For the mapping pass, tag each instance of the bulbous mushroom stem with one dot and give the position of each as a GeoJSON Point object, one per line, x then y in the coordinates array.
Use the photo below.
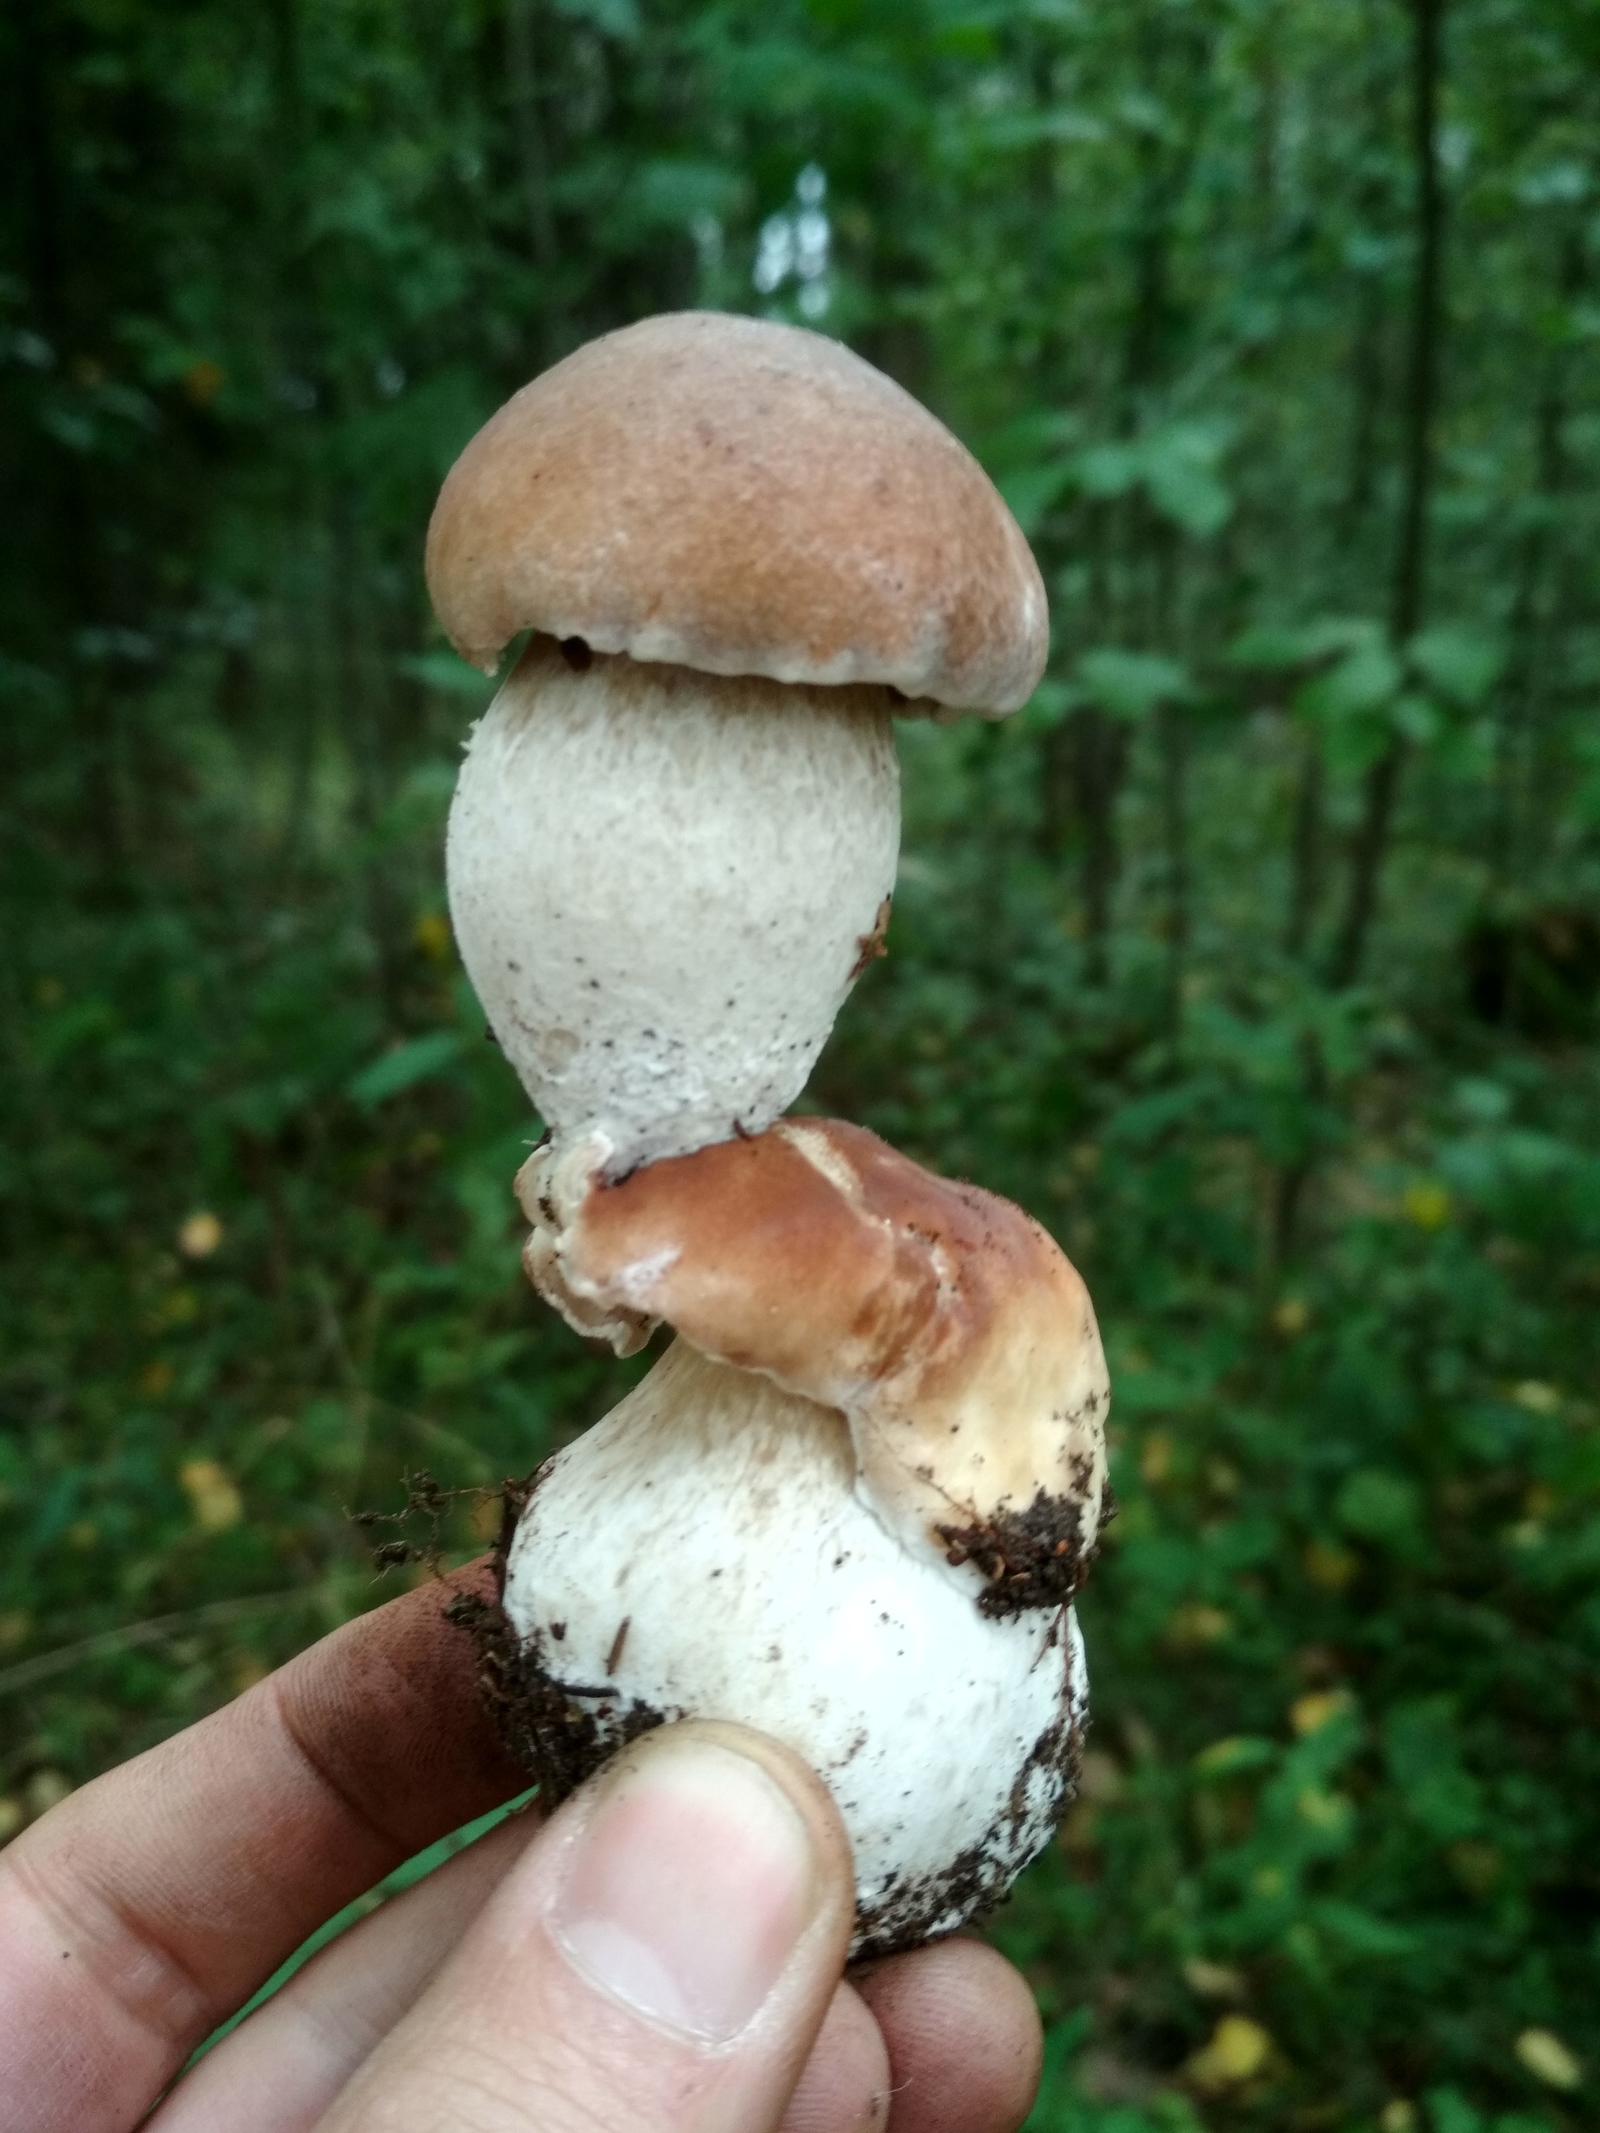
{"type": "Point", "coordinates": [664, 884]}
{"type": "Point", "coordinates": [710, 1547]}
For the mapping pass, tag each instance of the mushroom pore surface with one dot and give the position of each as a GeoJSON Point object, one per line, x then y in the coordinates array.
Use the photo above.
{"type": "Point", "coordinates": [664, 883]}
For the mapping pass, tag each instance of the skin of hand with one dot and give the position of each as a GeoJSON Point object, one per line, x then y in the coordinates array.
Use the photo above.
{"type": "Point", "coordinates": [665, 1950]}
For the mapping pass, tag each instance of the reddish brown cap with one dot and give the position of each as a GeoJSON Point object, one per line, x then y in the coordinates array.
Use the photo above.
{"type": "Point", "coordinates": [943, 1321]}
{"type": "Point", "coordinates": [740, 497]}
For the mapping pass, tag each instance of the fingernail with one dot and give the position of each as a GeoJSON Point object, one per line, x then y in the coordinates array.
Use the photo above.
{"type": "Point", "coordinates": [687, 1891]}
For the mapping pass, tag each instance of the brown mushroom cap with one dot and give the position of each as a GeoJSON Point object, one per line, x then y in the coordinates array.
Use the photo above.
{"type": "Point", "coordinates": [739, 497]}
{"type": "Point", "coordinates": [943, 1321]}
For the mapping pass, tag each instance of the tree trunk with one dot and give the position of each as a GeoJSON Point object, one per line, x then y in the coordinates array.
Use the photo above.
{"type": "Point", "coordinates": [1173, 740]}
{"type": "Point", "coordinates": [1530, 615]}
{"type": "Point", "coordinates": [528, 126]}
{"type": "Point", "coordinates": [1307, 850]}
{"type": "Point", "coordinates": [1370, 848]}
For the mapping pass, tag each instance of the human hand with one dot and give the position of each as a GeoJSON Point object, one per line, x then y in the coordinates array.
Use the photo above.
{"type": "Point", "coordinates": [666, 1951]}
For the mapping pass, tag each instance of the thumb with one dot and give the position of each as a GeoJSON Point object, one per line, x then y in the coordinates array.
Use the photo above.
{"type": "Point", "coordinates": [662, 1955]}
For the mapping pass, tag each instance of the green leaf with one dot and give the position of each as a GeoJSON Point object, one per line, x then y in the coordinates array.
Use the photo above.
{"type": "Point", "coordinates": [1109, 469]}
{"type": "Point", "coordinates": [1227, 1758]}
{"type": "Point", "coordinates": [1049, 704]}
{"type": "Point", "coordinates": [1424, 1758]}
{"type": "Point", "coordinates": [1032, 492]}
{"type": "Point", "coordinates": [1042, 433]}
{"type": "Point", "coordinates": [1192, 498]}
{"type": "Point", "coordinates": [1298, 644]}
{"type": "Point", "coordinates": [1462, 663]}
{"type": "Point", "coordinates": [1417, 718]}
{"type": "Point", "coordinates": [1450, 2112]}
{"type": "Point", "coordinates": [418, 1059]}
{"type": "Point", "coordinates": [1129, 685]}
{"type": "Point", "coordinates": [1378, 1506]}
{"type": "Point", "coordinates": [618, 18]}
{"type": "Point", "coordinates": [1362, 1932]}
{"type": "Point", "coordinates": [1271, 645]}
{"type": "Point", "coordinates": [669, 192]}
{"type": "Point", "coordinates": [444, 671]}
{"type": "Point", "coordinates": [1365, 680]}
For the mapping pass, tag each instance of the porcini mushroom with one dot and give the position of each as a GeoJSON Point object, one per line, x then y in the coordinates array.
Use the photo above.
{"type": "Point", "coordinates": [854, 1500]}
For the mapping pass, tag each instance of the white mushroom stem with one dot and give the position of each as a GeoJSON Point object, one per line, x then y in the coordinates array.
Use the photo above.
{"type": "Point", "coordinates": [708, 1547]}
{"type": "Point", "coordinates": [664, 884]}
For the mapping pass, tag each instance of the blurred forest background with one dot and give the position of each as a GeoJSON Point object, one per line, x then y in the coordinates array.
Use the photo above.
{"type": "Point", "coordinates": [1259, 956]}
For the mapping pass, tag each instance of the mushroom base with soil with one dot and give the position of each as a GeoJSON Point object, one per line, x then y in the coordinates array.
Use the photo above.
{"type": "Point", "coordinates": [708, 1549]}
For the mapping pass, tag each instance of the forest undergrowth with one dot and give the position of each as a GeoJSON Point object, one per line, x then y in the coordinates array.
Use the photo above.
{"type": "Point", "coordinates": [1259, 956]}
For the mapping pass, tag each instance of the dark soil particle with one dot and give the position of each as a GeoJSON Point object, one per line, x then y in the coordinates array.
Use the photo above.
{"type": "Point", "coordinates": [560, 1733]}
{"type": "Point", "coordinates": [1031, 1558]}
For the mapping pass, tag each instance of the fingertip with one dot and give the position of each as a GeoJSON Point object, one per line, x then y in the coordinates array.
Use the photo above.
{"type": "Point", "coordinates": [846, 2083]}
{"type": "Point", "coordinates": [664, 1952]}
{"type": "Point", "coordinates": [698, 1868]}
{"type": "Point", "coordinates": [963, 2035]}
{"type": "Point", "coordinates": [833, 1860]}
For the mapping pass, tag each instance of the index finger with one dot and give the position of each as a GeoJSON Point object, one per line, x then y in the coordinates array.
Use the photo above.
{"type": "Point", "coordinates": [149, 1905]}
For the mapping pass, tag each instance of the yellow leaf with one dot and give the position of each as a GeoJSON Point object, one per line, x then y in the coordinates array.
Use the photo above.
{"type": "Point", "coordinates": [432, 935]}
{"type": "Point", "coordinates": [46, 1789]}
{"type": "Point", "coordinates": [1292, 1316]}
{"type": "Point", "coordinates": [1309, 1714]}
{"type": "Point", "coordinates": [1548, 2059]}
{"type": "Point", "coordinates": [1237, 1751]}
{"type": "Point", "coordinates": [1425, 1203]}
{"type": "Point", "coordinates": [199, 1235]}
{"type": "Point", "coordinates": [1239, 2048]}
{"type": "Point", "coordinates": [1155, 1461]}
{"type": "Point", "coordinates": [1323, 1810]}
{"type": "Point", "coordinates": [486, 1518]}
{"type": "Point", "coordinates": [1196, 1625]}
{"type": "Point", "coordinates": [1537, 1397]}
{"type": "Point", "coordinates": [214, 1499]}
{"type": "Point", "coordinates": [1213, 1981]}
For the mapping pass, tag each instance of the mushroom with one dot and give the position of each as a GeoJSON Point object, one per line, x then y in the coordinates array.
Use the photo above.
{"type": "Point", "coordinates": [675, 833]}
{"type": "Point", "coordinates": [854, 1500]}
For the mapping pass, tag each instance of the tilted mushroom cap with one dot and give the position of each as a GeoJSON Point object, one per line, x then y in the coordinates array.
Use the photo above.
{"type": "Point", "coordinates": [946, 1325]}
{"type": "Point", "coordinates": [744, 498]}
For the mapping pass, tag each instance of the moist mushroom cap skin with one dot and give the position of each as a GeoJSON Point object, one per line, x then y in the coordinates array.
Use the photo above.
{"type": "Point", "coordinates": [740, 497]}
{"type": "Point", "coordinates": [941, 1321]}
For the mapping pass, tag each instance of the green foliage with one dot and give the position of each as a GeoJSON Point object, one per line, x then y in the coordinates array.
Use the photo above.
{"type": "Point", "coordinates": [1259, 956]}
